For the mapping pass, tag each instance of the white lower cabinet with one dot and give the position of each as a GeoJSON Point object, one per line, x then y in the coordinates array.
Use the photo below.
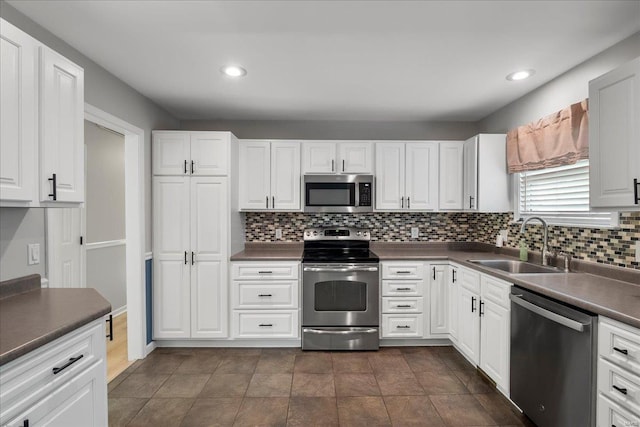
{"type": "Point", "coordinates": [265, 300]}
{"type": "Point", "coordinates": [469, 324]}
{"type": "Point", "coordinates": [32, 394]}
{"type": "Point", "coordinates": [403, 293]}
{"type": "Point", "coordinates": [402, 325]}
{"type": "Point", "coordinates": [439, 299]}
{"type": "Point", "coordinates": [453, 301]}
{"type": "Point", "coordinates": [618, 374]}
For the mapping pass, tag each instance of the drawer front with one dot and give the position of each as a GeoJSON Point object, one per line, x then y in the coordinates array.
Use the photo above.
{"type": "Point", "coordinates": [409, 270]}
{"type": "Point", "coordinates": [619, 385]}
{"type": "Point", "coordinates": [470, 279]}
{"type": "Point", "coordinates": [266, 324]}
{"type": "Point", "coordinates": [264, 271]}
{"type": "Point", "coordinates": [402, 288]}
{"type": "Point", "coordinates": [611, 414]}
{"type": "Point", "coordinates": [402, 305]}
{"type": "Point", "coordinates": [402, 325]}
{"type": "Point", "coordinates": [30, 378]}
{"type": "Point", "coordinates": [620, 344]}
{"type": "Point", "coordinates": [252, 295]}
{"type": "Point", "coordinates": [495, 290]}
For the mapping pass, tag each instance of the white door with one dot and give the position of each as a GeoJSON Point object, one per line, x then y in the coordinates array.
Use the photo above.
{"type": "Point", "coordinates": [209, 153]}
{"type": "Point", "coordinates": [171, 257]}
{"type": "Point", "coordinates": [208, 257]}
{"type": "Point", "coordinates": [255, 174]}
{"type": "Point", "coordinates": [355, 157]}
{"type": "Point", "coordinates": [421, 182]}
{"type": "Point", "coordinates": [469, 324]}
{"type": "Point", "coordinates": [614, 137]}
{"type": "Point", "coordinates": [64, 252]}
{"type": "Point", "coordinates": [62, 128]}
{"type": "Point", "coordinates": [285, 175]}
{"type": "Point", "coordinates": [439, 299]}
{"type": "Point", "coordinates": [470, 174]}
{"type": "Point", "coordinates": [390, 176]}
{"type": "Point", "coordinates": [18, 114]}
{"type": "Point", "coordinates": [453, 302]}
{"type": "Point", "coordinates": [494, 343]}
{"type": "Point", "coordinates": [171, 153]}
{"type": "Point", "coordinates": [451, 176]}
{"type": "Point", "coordinates": [319, 157]}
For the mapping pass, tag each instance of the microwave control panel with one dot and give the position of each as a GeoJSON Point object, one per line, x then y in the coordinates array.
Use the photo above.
{"type": "Point", "coordinates": [364, 189]}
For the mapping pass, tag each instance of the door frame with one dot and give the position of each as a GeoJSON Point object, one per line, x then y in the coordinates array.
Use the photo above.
{"type": "Point", "coordinates": [134, 226]}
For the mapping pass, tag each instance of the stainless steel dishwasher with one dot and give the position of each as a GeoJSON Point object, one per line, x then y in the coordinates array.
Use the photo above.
{"type": "Point", "coordinates": [553, 360]}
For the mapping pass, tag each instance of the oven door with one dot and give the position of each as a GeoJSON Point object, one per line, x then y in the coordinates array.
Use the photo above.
{"type": "Point", "coordinates": [340, 295]}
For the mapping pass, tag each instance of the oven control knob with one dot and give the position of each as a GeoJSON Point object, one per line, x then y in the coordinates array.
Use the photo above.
{"type": "Point", "coordinates": [359, 233]}
{"type": "Point", "coordinates": [315, 233]}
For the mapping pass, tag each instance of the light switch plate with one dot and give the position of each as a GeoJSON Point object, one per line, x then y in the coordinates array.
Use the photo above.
{"type": "Point", "coordinates": [415, 232]}
{"type": "Point", "coordinates": [278, 233]}
{"type": "Point", "coordinates": [33, 253]}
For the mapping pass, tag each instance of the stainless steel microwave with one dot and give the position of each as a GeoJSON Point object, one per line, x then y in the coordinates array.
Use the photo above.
{"type": "Point", "coordinates": [338, 193]}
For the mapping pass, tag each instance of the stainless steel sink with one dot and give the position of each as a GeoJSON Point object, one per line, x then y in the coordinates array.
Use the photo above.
{"type": "Point", "coordinates": [515, 267]}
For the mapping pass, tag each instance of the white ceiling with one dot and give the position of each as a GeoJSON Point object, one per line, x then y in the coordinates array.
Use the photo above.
{"type": "Point", "coordinates": [336, 60]}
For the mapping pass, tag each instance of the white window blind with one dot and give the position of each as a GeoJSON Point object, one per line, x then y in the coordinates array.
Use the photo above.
{"type": "Point", "coordinates": [561, 196]}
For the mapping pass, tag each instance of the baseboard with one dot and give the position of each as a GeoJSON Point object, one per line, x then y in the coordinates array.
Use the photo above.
{"type": "Point", "coordinates": [149, 348]}
{"type": "Point", "coordinates": [400, 342]}
{"type": "Point", "coordinates": [229, 343]}
{"type": "Point", "coordinates": [117, 312]}
{"type": "Point", "coordinates": [44, 282]}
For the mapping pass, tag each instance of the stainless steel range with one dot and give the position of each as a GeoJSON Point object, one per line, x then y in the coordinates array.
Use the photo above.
{"type": "Point", "coordinates": [340, 290]}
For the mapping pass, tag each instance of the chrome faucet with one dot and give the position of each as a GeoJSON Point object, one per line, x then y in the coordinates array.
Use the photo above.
{"type": "Point", "coordinates": [545, 237]}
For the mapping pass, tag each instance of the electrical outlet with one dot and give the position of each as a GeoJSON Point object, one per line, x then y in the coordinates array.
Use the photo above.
{"type": "Point", "coordinates": [278, 233]}
{"type": "Point", "coordinates": [638, 251]}
{"type": "Point", "coordinates": [33, 253]}
{"type": "Point", "coordinates": [415, 232]}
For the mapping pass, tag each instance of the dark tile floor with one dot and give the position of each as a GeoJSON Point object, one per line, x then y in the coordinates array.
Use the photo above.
{"type": "Point", "coordinates": [426, 386]}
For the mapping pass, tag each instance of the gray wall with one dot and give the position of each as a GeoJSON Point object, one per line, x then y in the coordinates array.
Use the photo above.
{"type": "Point", "coordinates": [18, 228]}
{"type": "Point", "coordinates": [106, 272]}
{"type": "Point", "coordinates": [102, 90]}
{"type": "Point", "coordinates": [564, 90]}
{"type": "Point", "coordinates": [318, 129]}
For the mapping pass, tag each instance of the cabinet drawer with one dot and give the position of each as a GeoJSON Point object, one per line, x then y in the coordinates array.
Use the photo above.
{"type": "Point", "coordinates": [469, 279]}
{"type": "Point", "coordinates": [620, 344]}
{"type": "Point", "coordinates": [30, 377]}
{"type": "Point", "coordinates": [619, 385]}
{"type": "Point", "coordinates": [409, 270]}
{"type": "Point", "coordinates": [252, 295]}
{"type": "Point", "coordinates": [402, 287]}
{"type": "Point", "coordinates": [611, 414]}
{"type": "Point", "coordinates": [495, 290]}
{"type": "Point", "coordinates": [267, 324]}
{"type": "Point", "coordinates": [264, 271]}
{"type": "Point", "coordinates": [402, 325]}
{"type": "Point", "coordinates": [402, 305]}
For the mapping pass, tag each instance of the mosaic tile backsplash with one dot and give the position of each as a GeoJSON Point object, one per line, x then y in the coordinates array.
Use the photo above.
{"type": "Point", "coordinates": [615, 247]}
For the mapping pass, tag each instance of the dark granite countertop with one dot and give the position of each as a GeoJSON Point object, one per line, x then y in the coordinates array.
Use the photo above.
{"type": "Point", "coordinates": [604, 290]}
{"type": "Point", "coordinates": [31, 317]}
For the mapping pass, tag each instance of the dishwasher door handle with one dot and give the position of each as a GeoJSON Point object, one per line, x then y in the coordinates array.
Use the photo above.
{"type": "Point", "coordinates": [554, 317]}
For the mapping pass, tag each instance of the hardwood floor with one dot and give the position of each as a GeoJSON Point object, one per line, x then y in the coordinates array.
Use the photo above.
{"type": "Point", "coordinates": [117, 349]}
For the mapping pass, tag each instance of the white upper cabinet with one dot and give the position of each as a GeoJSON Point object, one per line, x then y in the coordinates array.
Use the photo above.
{"type": "Point", "coordinates": [41, 124]}
{"type": "Point", "coordinates": [18, 126]}
{"type": "Point", "coordinates": [269, 175]}
{"type": "Point", "coordinates": [614, 138]}
{"type": "Point", "coordinates": [406, 176]}
{"type": "Point", "coordinates": [326, 157]}
{"type": "Point", "coordinates": [451, 175]}
{"type": "Point", "coordinates": [486, 185]}
{"type": "Point", "coordinates": [191, 153]}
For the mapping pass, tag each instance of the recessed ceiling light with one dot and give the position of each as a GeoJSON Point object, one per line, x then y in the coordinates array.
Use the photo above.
{"type": "Point", "coordinates": [521, 75]}
{"type": "Point", "coordinates": [233, 71]}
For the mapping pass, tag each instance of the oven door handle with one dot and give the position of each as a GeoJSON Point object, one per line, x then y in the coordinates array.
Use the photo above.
{"type": "Point", "coordinates": [339, 269]}
{"type": "Point", "coordinates": [340, 331]}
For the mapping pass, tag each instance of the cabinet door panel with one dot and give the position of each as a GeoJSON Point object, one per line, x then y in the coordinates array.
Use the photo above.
{"type": "Point", "coordinates": [469, 324]}
{"type": "Point", "coordinates": [18, 114]}
{"type": "Point", "coordinates": [209, 153]}
{"type": "Point", "coordinates": [494, 339]}
{"type": "Point", "coordinates": [421, 176]}
{"type": "Point", "coordinates": [285, 175]}
{"type": "Point", "coordinates": [389, 176]}
{"type": "Point", "coordinates": [255, 175]}
{"type": "Point", "coordinates": [62, 127]}
{"type": "Point", "coordinates": [319, 157]}
{"type": "Point", "coordinates": [453, 302]}
{"type": "Point", "coordinates": [451, 176]}
{"type": "Point", "coordinates": [614, 136]}
{"type": "Point", "coordinates": [171, 153]}
{"type": "Point", "coordinates": [439, 299]}
{"type": "Point", "coordinates": [355, 157]}
{"type": "Point", "coordinates": [470, 174]}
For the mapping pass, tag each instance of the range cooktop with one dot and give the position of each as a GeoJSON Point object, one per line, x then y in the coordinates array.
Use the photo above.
{"type": "Point", "coordinates": [337, 245]}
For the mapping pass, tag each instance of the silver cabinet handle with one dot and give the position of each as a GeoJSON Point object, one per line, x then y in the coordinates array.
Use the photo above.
{"type": "Point", "coordinates": [554, 317]}
{"type": "Point", "coordinates": [347, 331]}
{"type": "Point", "coordinates": [339, 269]}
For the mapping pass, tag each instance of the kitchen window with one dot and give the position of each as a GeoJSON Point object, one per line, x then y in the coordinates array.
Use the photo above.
{"type": "Point", "coordinates": [561, 196]}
